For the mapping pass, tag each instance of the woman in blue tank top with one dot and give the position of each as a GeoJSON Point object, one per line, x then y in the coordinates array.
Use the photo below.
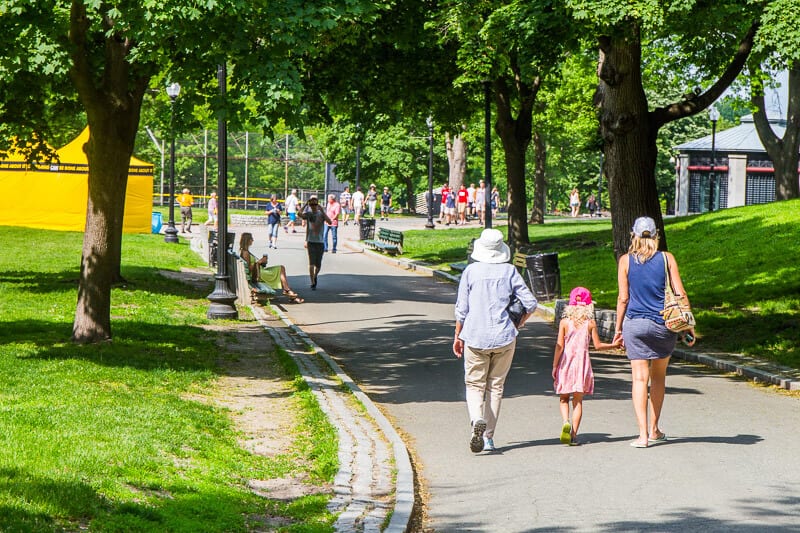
{"type": "Point", "coordinates": [648, 342]}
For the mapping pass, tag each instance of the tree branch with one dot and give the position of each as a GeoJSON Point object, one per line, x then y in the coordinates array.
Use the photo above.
{"type": "Point", "coordinates": [81, 71]}
{"type": "Point", "coordinates": [772, 143]}
{"type": "Point", "coordinates": [696, 103]}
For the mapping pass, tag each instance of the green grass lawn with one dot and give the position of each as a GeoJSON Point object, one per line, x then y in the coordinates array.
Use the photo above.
{"type": "Point", "coordinates": [107, 437]}
{"type": "Point", "coordinates": [739, 266]}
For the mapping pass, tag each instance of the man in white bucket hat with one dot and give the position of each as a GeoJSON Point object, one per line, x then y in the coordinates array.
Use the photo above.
{"type": "Point", "coordinates": [485, 336]}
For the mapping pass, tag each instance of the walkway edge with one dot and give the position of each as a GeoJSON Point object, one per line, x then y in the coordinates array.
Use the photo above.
{"type": "Point", "coordinates": [404, 484]}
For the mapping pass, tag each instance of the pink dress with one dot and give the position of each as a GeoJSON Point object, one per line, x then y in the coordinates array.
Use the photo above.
{"type": "Point", "coordinates": [574, 373]}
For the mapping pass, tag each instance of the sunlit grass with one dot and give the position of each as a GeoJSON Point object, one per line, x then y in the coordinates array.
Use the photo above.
{"type": "Point", "coordinates": [106, 437]}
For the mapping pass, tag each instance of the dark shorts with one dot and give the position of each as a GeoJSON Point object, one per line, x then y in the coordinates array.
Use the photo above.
{"type": "Point", "coordinates": [647, 339]}
{"type": "Point", "coordinates": [315, 252]}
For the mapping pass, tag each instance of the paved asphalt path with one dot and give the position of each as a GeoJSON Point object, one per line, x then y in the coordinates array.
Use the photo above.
{"type": "Point", "coordinates": [732, 462]}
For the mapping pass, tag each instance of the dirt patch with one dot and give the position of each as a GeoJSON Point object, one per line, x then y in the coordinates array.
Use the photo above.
{"type": "Point", "coordinates": [256, 392]}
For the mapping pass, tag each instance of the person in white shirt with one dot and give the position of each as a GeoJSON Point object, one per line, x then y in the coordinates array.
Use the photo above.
{"type": "Point", "coordinates": [358, 204]}
{"type": "Point", "coordinates": [291, 210]}
{"type": "Point", "coordinates": [471, 201]}
{"type": "Point", "coordinates": [480, 201]}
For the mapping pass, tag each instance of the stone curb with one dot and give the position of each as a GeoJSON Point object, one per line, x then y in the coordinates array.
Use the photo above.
{"type": "Point", "coordinates": [404, 484]}
{"type": "Point", "coordinates": [756, 374]}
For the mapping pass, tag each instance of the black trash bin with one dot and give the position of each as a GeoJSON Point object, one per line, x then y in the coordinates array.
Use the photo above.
{"type": "Point", "coordinates": [544, 276]}
{"type": "Point", "coordinates": [367, 229]}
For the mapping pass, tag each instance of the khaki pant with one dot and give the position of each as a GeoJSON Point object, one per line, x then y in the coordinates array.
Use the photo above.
{"type": "Point", "coordinates": [485, 374]}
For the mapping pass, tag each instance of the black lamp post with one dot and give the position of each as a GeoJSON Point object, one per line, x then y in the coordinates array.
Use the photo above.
{"type": "Point", "coordinates": [713, 114]}
{"type": "Point", "coordinates": [429, 122]}
{"type": "Point", "coordinates": [171, 232]}
{"type": "Point", "coordinates": [222, 299]}
{"type": "Point", "coordinates": [487, 137]}
{"type": "Point", "coordinates": [358, 155]}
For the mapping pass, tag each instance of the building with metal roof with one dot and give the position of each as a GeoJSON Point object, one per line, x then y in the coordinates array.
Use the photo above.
{"type": "Point", "coordinates": [741, 172]}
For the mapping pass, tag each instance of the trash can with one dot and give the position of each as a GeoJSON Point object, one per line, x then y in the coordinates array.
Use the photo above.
{"type": "Point", "coordinates": [156, 222]}
{"type": "Point", "coordinates": [367, 229]}
{"type": "Point", "coordinates": [544, 275]}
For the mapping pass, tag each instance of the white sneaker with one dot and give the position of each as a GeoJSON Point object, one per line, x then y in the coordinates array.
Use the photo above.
{"type": "Point", "coordinates": [488, 445]}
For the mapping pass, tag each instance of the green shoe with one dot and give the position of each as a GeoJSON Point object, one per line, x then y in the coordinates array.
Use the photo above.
{"type": "Point", "coordinates": [566, 432]}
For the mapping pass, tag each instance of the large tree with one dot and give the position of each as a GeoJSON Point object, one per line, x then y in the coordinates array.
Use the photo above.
{"type": "Point", "coordinates": [714, 38]}
{"type": "Point", "coordinates": [514, 46]}
{"type": "Point", "coordinates": [107, 55]}
{"type": "Point", "coordinates": [784, 150]}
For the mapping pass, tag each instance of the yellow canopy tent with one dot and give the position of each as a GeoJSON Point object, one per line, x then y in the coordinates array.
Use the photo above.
{"type": "Point", "coordinates": [56, 197]}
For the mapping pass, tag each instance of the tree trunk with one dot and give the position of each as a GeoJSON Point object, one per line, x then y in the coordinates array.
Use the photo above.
{"type": "Point", "coordinates": [457, 160]}
{"type": "Point", "coordinates": [109, 160]}
{"type": "Point", "coordinates": [412, 198]}
{"type": "Point", "coordinates": [539, 182]}
{"type": "Point", "coordinates": [784, 152]}
{"type": "Point", "coordinates": [629, 138]}
{"type": "Point", "coordinates": [516, 134]}
{"type": "Point", "coordinates": [112, 100]}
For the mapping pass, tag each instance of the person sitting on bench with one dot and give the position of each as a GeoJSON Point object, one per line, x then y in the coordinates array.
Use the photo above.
{"type": "Point", "coordinates": [273, 276]}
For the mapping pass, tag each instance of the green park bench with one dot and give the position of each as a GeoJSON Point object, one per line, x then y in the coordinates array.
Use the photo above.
{"type": "Point", "coordinates": [389, 240]}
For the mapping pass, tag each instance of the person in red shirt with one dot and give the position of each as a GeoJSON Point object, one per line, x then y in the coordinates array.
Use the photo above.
{"type": "Point", "coordinates": [443, 208]}
{"type": "Point", "coordinates": [463, 198]}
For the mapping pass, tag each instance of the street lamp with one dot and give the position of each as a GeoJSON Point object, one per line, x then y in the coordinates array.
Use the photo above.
{"type": "Point", "coordinates": [713, 114]}
{"type": "Point", "coordinates": [171, 233]}
{"type": "Point", "coordinates": [429, 122]}
{"type": "Point", "coordinates": [222, 299]}
{"type": "Point", "coordinates": [487, 139]}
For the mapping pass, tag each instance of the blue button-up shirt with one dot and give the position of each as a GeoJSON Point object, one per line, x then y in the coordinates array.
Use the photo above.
{"type": "Point", "coordinates": [483, 295]}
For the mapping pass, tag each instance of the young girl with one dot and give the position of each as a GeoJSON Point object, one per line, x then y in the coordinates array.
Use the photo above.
{"type": "Point", "coordinates": [572, 368]}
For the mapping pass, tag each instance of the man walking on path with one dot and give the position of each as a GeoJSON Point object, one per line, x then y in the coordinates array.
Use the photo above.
{"type": "Point", "coordinates": [315, 217]}
{"type": "Point", "coordinates": [185, 200]}
{"type": "Point", "coordinates": [332, 209]}
{"type": "Point", "coordinates": [485, 336]}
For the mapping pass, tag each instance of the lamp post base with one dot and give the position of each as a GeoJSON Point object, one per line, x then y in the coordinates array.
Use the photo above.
{"type": "Point", "coordinates": [171, 233]}
{"type": "Point", "coordinates": [430, 224]}
{"type": "Point", "coordinates": [222, 301]}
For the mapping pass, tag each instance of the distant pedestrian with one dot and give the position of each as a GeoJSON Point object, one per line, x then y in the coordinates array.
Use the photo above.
{"type": "Point", "coordinates": [574, 202]}
{"type": "Point", "coordinates": [480, 201]}
{"type": "Point", "coordinates": [332, 209]}
{"type": "Point", "coordinates": [372, 200]}
{"type": "Point", "coordinates": [485, 336]}
{"type": "Point", "coordinates": [443, 207]}
{"type": "Point", "coordinates": [347, 206]}
{"type": "Point", "coordinates": [572, 367]}
{"type": "Point", "coordinates": [386, 203]}
{"type": "Point", "coordinates": [649, 344]}
{"type": "Point", "coordinates": [291, 210]}
{"type": "Point", "coordinates": [358, 205]}
{"type": "Point", "coordinates": [273, 220]}
{"type": "Point", "coordinates": [450, 208]}
{"type": "Point", "coordinates": [591, 205]}
{"type": "Point", "coordinates": [212, 210]}
{"type": "Point", "coordinates": [462, 198]}
{"type": "Point", "coordinates": [471, 201]}
{"type": "Point", "coordinates": [315, 218]}
{"type": "Point", "coordinates": [495, 201]}
{"type": "Point", "coordinates": [185, 201]}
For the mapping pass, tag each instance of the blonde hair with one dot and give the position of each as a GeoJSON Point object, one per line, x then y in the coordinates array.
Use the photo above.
{"type": "Point", "coordinates": [579, 313]}
{"type": "Point", "coordinates": [643, 248]}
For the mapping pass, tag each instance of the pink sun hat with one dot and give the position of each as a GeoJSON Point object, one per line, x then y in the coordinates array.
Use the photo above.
{"type": "Point", "coordinates": [580, 296]}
